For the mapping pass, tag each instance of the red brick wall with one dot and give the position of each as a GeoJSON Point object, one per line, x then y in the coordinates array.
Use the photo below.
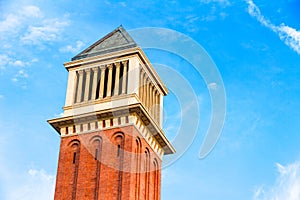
{"type": "Point", "coordinates": [107, 165]}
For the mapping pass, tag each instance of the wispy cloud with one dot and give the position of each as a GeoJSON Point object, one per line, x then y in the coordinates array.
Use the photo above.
{"type": "Point", "coordinates": [58, 115]}
{"type": "Point", "coordinates": [4, 59]}
{"type": "Point", "coordinates": [289, 35]}
{"type": "Point", "coordinates": [21, 74]}
{"type": "Point", "coordinates": [48, 30]}
{"type": "Point", "coordinates": [216, 11]}
{"type": "Point", "coordinates": [9, 61]}
{"type": "Point", "coordinates": [23, 26]}
{"type": "Point", "coordinates": [37, 184]}
{"type": "Point", "coordinates": [221, 2]}
{"type": "Point", "coordinates": [287, 185]}
{"type": "Point", "coordinates": [123, 4]}
{"type": "Point", "coordinates": [29, 25]}
{"type": "Point", "coordinates": [213, 86]}
{"type": "Point", "coordinates": [13, 22]}
{"type": "Point", "coordinates": [72, 49]}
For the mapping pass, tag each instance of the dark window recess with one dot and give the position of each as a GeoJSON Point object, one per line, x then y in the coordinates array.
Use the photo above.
{"type": "Point", "coordinates": [97, 90]}
{"type": "Point", "coordinates": [121, 79]}
{"type": "Point", "coordinates": [74, 157]}
{"type": "Point", "coordinates": [96, 154]}
{"type": "Point", "coordinates": [113, 81]}
{"type": "Point", "coordinates": [105, 83]}
{"type": "Point", "coordinates": [119, 149]}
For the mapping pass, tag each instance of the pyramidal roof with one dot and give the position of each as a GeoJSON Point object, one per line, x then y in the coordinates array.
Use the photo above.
{"type": "Point", "coordinates": [116, 40]}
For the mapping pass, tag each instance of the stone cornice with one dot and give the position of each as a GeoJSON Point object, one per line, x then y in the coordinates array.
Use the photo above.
{"type": "Point", "coordinates": [136, 110]}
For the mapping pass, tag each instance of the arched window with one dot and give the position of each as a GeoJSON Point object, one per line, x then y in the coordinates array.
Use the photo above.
{"type": "Point", "coordinates": [156, 179]}
{"type": "Point", "coordinates": [138, 167]}
{"type": "Point", "coordinates": [96, 151]}
{"type": "Point", "coordinates": [147, 173]}
{"type": "Point", "coordinates": [75, 153]}
{"type": "Point", "coordinates": [118, 140]}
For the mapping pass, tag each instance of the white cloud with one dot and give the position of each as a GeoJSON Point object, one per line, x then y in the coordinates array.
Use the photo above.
{"type": "Point", "coordinates": [192, 18]}
{"type": "Point", "coordinates": [290, 36]}
{"type": "Point", "coordinates": [215, 12]}
{"type": "Point", "coordinates": [9, 23]}
{"type": "Point", "coordinates": [37, 185]}
{"type": "Point", "coordinates": [213, 86]}
{"type": "Point", "coordinates": [14, 21]}
{"type": "Point", "coordinates": [22, 26]}
{"type": "Point", "coordinates": [18, 63]}
{"type": "Point", "coordinates": [9, 61]}
{"type": "Point", "coordinates": [31, 11]}
{"type": "Point", "coordinates": [4, 59]}
{"type": "Point", "coordinates": [221, 2]}
{"type": "Point", "coordinates": [29, 25]}
{"type": "Point", "coordinates": [59, 115]}
{"type": "Point", "coordinates": [26, 25]}
{"type": "Point", "coordinates": [287, 185]}
{"type": "Point", "coordinates": [71, 49]}
{"type": "Point", "coordinates": [21, 74]}
{"type": "Point", "coordinates": [123, 4]}
{"type": "Point", "coordinates": [49, 30]}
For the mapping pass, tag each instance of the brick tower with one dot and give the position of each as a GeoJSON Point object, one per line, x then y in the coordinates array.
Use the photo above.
{"type": "Point", "coordinates": [111, 138]}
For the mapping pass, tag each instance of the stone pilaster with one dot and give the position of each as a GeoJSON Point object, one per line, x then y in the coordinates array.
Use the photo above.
{"type": "Point", "coordinates": [87, 84]}
{"type": "Point", "coordinates": [80, 86]}
{"type": "Point", "coordinates": [117, 79]}
{"type": "Point", "coordinates": [109, 82]}
{"type": "Point", "coordinates": [124, 81]}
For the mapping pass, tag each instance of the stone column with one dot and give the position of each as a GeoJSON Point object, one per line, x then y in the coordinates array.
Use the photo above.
{"type": "Point", "coordinates": [147, 93]}
{"type": "Point", "coordinates": [80, 86]}
{"type": "Point", "coordinates": [144, 89]}
{"type": "Point", "coordinates": [95, 83]}
{"type": "Point", "coordinates": [101, 88]}
{"type": "Point", "coordinates": [117, 79]}
{"type": "Point", "coordinates": [87, 84]}
{"type": "Point", "coordinates": [156, 106]}
{"type": "Point", "coordinates": [153, 102]}
{"type": "Point", "coordinates": [150, 97]}
{"type": "Point", "coordinates": [159, 112]}
{"type": "Point", "coordinates": [140, 84]}
{"type": "Point", "coordinates": [124, 81]}
{"type": "Point", "coordinates": [109, 82]}
{"type": "Point", "coordinates": [72, 90]}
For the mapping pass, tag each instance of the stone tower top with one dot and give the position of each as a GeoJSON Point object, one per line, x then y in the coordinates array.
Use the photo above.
{"type": "Point", "coordinates": [109, 80]}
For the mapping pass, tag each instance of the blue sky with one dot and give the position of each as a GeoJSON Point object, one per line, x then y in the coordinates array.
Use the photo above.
{"type": "Point", "coordinates": [255, 45]}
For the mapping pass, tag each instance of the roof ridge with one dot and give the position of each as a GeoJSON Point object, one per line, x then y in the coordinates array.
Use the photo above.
{"type": "Point", "coordinates": [116, 40]}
